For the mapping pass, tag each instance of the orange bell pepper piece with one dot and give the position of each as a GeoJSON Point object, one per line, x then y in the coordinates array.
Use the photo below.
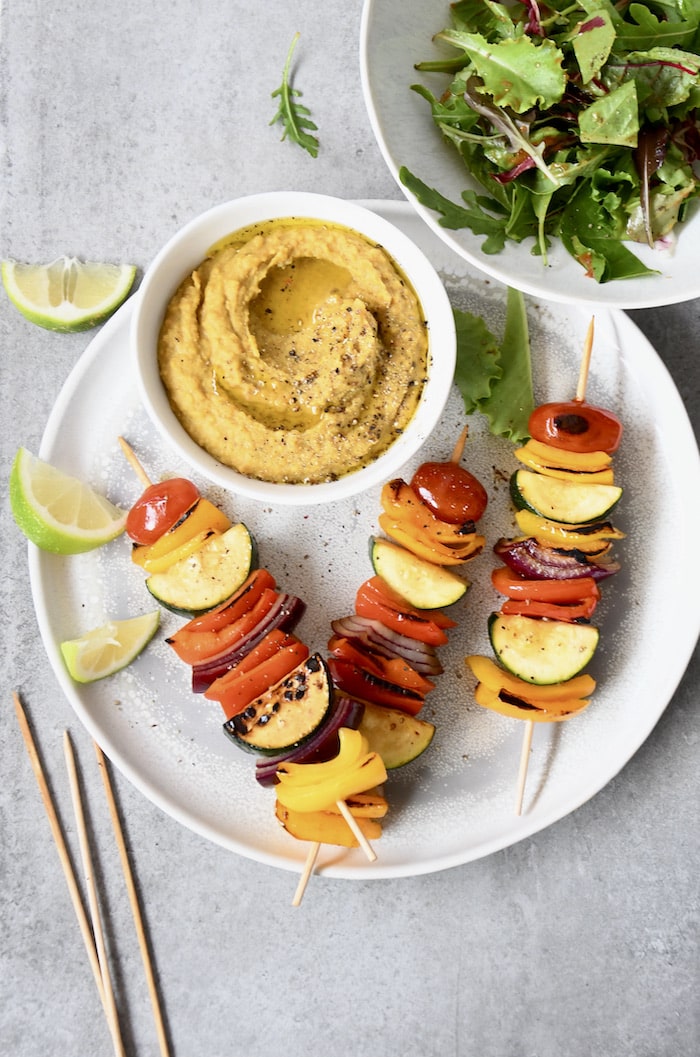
{"type": "Point", "coordinates": [182, 539]}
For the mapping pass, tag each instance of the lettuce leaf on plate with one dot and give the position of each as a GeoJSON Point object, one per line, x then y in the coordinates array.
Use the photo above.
{"type": "Point", "coordinates": [495, 379]}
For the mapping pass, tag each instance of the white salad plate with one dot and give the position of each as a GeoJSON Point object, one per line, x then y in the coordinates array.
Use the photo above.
{"type": "Point", "coordinates": [394, 37]}
{"type": "Point", "coordinates": [456, 802]}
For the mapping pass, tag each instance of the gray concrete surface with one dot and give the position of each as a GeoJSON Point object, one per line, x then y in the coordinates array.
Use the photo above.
{"type": "Point", "coordinates": [120, 122]}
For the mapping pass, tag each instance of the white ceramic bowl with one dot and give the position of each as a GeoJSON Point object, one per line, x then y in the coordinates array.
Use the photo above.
{"type": "Point", "coordinates": [185, 251]}
{"type": "Point", "coordinates": [395, 36]}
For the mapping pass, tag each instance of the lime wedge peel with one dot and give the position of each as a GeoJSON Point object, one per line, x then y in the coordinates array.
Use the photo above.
{"type": "Point", "coordinates": [67, 294]}
{"type": "Point", "coordinates": [57, 512]}
{"type": "Point", "coordinates": [109, 648]}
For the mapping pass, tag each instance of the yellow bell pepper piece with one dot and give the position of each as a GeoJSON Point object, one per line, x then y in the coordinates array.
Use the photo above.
{"type": "Point", "coordinates": [496, 678]}
{"type": "Point", "coordinates": [423, 546]}
{"type": "Point", "coordinates": [556, 533]}
{"type": "Point", "coordinates": [568, 460]}
{"type": "Point", "coordinates": [326, 827]}
{"type": "Point", "coordinates": [183, 539]}
{"type": "Point", "coordinates": [317, 786]}
{"type": "Point", "coordinates": [595, 467]}
{"type": "Point", "coordinates": [553, 712]}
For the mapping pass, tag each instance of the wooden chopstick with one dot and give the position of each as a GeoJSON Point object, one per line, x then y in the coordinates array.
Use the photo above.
{"type": "Point", "coordinates": [60, 843]}
{"type": "Point", "coordinates": [89, 873]}
{"type": "Point", "coordinates": [134, 902]}
{"type": "Point", "coordinates": [91, 932]}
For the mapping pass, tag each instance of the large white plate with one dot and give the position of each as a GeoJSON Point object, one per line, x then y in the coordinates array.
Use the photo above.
{"type": "Point", "coordinates": [456, 803]}
{"type": "Point", "coordinates": [395, 36]}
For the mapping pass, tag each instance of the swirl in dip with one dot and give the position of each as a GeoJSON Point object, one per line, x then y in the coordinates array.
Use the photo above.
{"type": "Point", "coordinates": [296, 352]}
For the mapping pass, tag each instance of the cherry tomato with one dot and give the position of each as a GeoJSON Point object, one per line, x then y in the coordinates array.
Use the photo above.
{"type": "Point", "coordinates": [451, 492]}
{"type": "Point", "coordinates": [160, 507]}
{"type": "Point", "coordinates": [576, 426]}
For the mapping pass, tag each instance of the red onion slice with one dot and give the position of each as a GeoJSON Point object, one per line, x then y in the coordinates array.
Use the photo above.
{"type": "Point", "coordinates": [530, 558]}
{"type": "Point", "coordinates": [375, 635]}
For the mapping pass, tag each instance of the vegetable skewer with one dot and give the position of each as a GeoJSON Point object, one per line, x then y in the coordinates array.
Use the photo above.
{"type": "Point", "coordinates": [226, 688]}
{"type": "Point", "coordinates": [529, 724]}
{"type": "Point", "coordinates": [381, 659]}
{"type": "Point", "coordinates": [542, 636]}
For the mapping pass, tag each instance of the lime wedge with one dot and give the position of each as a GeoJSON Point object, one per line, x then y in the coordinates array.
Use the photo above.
{"type": "Point", "coordinates": [67, 294]}
{"type": "Point", "coordinates": [59, 513]}
{"type": "Point", "coordinates": [107, 649]}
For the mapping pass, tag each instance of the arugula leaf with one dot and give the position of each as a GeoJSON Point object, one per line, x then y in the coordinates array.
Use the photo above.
{"type": "Point", "coordinates": [294, 116]}
{"type": "Point", "coordinates": [650, 31]}
{"type": "Point", "coordinates": [592, 236]}
{"type": "Point", "coordinates": [455, 216]}
{"type": "Point", "coordinates": [496, 380]}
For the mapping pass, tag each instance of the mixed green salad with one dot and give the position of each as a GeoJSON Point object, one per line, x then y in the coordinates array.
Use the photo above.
{"type": "Point", "coordinates": [581, 120]}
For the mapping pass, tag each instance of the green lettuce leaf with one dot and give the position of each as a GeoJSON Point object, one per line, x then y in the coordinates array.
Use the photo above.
{"type": "Point", "coordinates": [510, 403]}
{"type": "Point", "coordinates": [614, 118]}
{"type": "Point", "coordinates": [592, 43]}
{"type": "Point", "coordinates": [516, 72]}
{"type": "Point", "coordinates": [496, 379]}
{"type": "Point", "coordinates": [478, 358]}
{"type": "Point", "coordinates": [591, 234]}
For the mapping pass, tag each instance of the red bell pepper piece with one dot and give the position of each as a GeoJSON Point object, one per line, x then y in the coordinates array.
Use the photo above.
{"type": "Point", "coordinates": [247, 686]}
{"type": "Point", "coordinates": [196, 645]}
{"type": "Point", "coordinates": [270, 645]}
{"type": "Point", "coordinates": [376, 604]}
{"type": "Point", "coordinates": [513, 586]}
{"type": "Point", "coordinates": [392, 669]}
{"type": "Point", "coordinates": [364, 686]}
{"type": "Point", "coordinates": [568, 611]}
{"type": "Point", "coordinates": [234, 607]}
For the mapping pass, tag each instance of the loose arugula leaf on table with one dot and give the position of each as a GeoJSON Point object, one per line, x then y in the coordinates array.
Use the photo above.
{"type": "Point", "coordinates": [496, 379]}
{"type": "Point", "coordinates": [295, 117]}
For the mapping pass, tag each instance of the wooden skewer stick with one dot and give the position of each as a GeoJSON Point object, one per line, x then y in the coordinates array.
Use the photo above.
{"type": "Point", "coordinates": [89, 872]}
{"type": "Point", "coordinates": [585, 363]}
{"type": "Point", "coordinates": [134, 463]}
{"type": "Point", "coordinates": [133, 901]}
{"type": "Point", "coordinates": [357, 832]}
{"type": "Point", "coordinates": [315, 847]}
{"type": "Point", "coordinates": [312, 855]}
{"type": "Point", "coordinates": [529, 725]}
{"type": "Point", "coordinates": [524, 761]}
{"type": "Point", "coordinates": [60, 843]}
{"type": "Point", "coordinates": [458, 449]}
